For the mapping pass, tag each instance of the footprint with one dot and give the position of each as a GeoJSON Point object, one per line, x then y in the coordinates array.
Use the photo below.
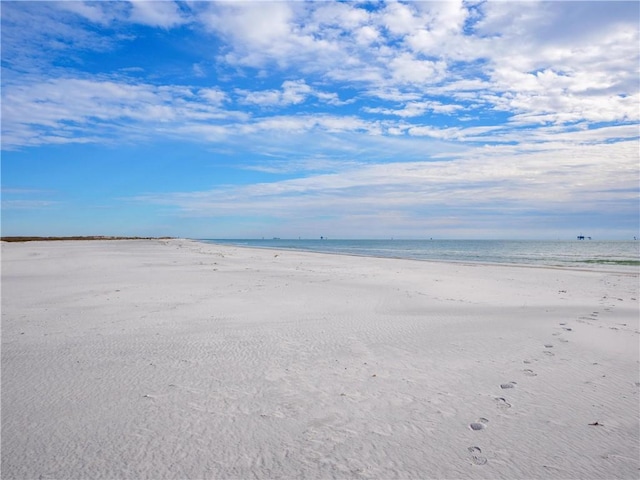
{"type": "Point", "coordinates": [548, 345]}
{"type": "Point", "coordinates": [481, 424]}
{"type": "Point", "coordinates": [476, 458]}
{"type": "Point", "coordinates": [568, 329]}
{"type": "Point", "coordinates": [548, 353]}
{"type": "Point", "coordinates": [563, 340]}
{"type": "Point", "coordinates": [502, 403]}
{"type": "Point", "coordinates": [530, 373]}
{"type": "Point", "coordinates": [508, 385]}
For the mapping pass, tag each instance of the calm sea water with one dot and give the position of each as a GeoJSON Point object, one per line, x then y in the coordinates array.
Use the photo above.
{"type": "Point", "coordinates": [623, 255]}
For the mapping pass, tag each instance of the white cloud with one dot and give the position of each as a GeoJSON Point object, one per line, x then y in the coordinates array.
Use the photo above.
{"type": "Point", "coordinates": [292, 92]}
{"type": "Point", "coordinates": [406, 69]}
{"type": "Point", "coordinates": [93, 12]}
{"type": "Point", "coordinates": [428, 131]}
{"type": "Point", "coordinates": [400, 19]}
{"type": "Point", "coordinates": [366, 35]}
{"type": "Point", "coordinates": [258, 32]}
{"type": "Point", "coordinates": [441, 29]}
{"type": "Point", "coordinates": [213, 96]}
{"type": "Point", "coordinates": [165, 14]}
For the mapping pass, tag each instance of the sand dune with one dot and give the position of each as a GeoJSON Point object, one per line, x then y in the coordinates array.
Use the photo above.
{"type": "Point", "coordinates": [174, 359]}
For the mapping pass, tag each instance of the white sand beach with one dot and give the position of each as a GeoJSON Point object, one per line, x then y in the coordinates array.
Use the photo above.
{"type": "Point", "coordinates": [173, 359]}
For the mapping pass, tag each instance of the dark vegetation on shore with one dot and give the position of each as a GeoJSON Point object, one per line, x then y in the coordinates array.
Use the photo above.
{"type": "Point", "coordinates": [93, 237]}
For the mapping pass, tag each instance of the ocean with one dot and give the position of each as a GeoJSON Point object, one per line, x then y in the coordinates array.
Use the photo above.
{"type": "Point", "coordinates": [616, 255]}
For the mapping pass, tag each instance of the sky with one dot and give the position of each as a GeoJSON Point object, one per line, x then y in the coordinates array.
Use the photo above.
{"type": "Point", "coordinates": [251, 119]}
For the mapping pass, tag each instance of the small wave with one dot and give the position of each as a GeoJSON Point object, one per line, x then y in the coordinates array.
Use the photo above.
{"type": "Point", "coordinates": [633, 263]}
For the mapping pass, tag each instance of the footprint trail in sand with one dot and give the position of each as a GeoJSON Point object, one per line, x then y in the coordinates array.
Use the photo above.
{"type": "Point", "coordinates": [476, 458]}
{"type": "Point", "coordinates": [480, 424]}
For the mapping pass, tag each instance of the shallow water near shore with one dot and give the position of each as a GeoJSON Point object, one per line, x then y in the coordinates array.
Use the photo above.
{"type": "Point", "coordinates": [621, 255]}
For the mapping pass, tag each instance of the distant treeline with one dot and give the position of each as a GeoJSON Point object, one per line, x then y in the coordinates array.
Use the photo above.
{"type": "Point", "coordinates": [94, 237]}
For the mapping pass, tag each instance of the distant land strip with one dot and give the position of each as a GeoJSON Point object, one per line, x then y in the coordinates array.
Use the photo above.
{"type": "Point", "coordinates": [92, 237]}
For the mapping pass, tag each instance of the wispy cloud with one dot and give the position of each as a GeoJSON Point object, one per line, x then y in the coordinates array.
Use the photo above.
{"type": "Point", "coordinates": [480, 182]}
{"type": "Point", "coordinates": [14, 198]}
{"type": "Point", "coordinates": [26, 204]}
{"type": "Point", "coordinates": [44, 112]}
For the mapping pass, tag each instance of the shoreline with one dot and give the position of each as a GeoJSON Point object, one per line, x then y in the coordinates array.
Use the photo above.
{"type": "Point", "coordinates": [600, 268]}
{"type": "Point", "coordinates": [182, 359]}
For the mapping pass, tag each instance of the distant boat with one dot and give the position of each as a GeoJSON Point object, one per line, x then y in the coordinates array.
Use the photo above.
{"type": "Point", "coordinates": [582, 237]}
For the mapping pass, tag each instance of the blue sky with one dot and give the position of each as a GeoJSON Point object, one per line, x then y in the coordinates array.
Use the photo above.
{"type": "Point", "coordinates": [469, 119]}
